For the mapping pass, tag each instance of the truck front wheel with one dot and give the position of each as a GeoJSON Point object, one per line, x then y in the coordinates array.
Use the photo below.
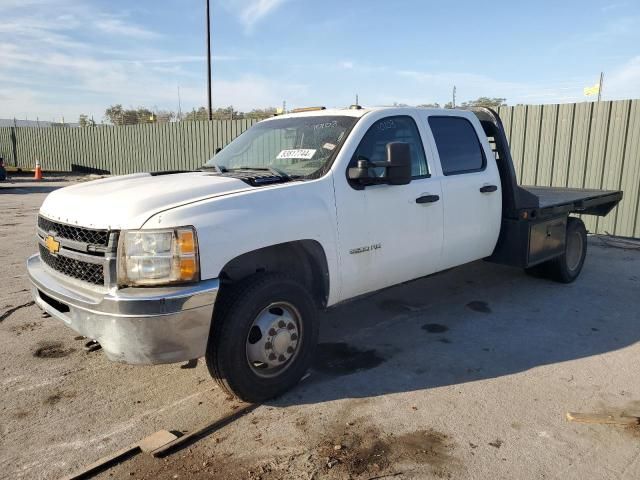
{"type": "Point", "coordinates": [263, 337]}
{"type": "Point", "coordinates": [566, 267]}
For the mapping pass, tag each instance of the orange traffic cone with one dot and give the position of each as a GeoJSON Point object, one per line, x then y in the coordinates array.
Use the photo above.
{"type": "Point", "coordinates": [37, 174]}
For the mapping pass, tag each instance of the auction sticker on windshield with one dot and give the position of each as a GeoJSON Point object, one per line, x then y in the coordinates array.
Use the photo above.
{"type": "Point", "coordinates": [299, 154]}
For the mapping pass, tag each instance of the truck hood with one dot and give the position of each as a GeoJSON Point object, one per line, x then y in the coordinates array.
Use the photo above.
{"type": "Point", "coordinates": [127, 202]}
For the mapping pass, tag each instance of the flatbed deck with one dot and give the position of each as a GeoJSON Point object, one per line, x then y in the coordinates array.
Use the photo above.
{"type": "Point", "coordinates": [574, 200]}
{"type": "Point", "coordinates": [535, 219]}
{"type": "Point", "coordinates": [554, 196]}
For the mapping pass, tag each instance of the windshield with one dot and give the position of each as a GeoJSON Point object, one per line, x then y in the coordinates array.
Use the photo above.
{"type": "Point", "coordinates": [297, 147]}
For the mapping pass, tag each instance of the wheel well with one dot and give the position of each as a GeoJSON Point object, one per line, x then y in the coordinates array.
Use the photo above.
{"type": "Point", "coordinates": [303, 259]}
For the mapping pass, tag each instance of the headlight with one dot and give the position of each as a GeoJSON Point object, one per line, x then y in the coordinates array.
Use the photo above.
{"type": "Point", "coordinates": [156, 257]}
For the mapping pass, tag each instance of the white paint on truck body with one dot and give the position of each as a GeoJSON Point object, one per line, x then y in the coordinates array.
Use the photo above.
{"type": "Point", "coordinates": [372, 238]}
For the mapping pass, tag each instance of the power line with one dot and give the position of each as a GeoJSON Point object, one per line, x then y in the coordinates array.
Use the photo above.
{"type": "Point", "coordinates": [209, 62]}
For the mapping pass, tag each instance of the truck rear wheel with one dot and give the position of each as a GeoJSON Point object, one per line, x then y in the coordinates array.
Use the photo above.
{"type": "Point", "coordinates": [566, 267]}
{"type": "Point", "coordinates": [263, 337]}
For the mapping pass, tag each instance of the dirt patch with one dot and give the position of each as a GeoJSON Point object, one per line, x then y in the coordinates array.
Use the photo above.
{"type": "Point", "coordinates": [349, 452]}
{"type": "Point", "coordinates": [343, 359]}
{"type": "Point", "coordinates": [633, 430]}
{"type": "Point", "coordinates": [434, 328]}
{"type": "Point", "coordinates": [371, 453]}
{"type": "Point", "coordinates": [57, 397]}
{"type": "Point", "coordinates": [20, 414]}
{"type": "Point", "coordinates": [497, 443]}
{"type": "Point", "coordinates": [52, 350]}
{"type": "Point", "coordinates": [26, 327]}
{"type": "Point", "coordinates": [479, 306]}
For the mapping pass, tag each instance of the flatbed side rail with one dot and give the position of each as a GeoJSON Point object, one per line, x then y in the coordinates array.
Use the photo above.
{"type": "Point", "coordinates": [599, 205]}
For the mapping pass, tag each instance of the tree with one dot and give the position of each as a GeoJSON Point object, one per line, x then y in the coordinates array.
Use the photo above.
{"type": "Point", "coordinates": [164, 116]}
{"type": "Point", "coordinates": [121, 116]}
{"type": "Point", "coordinates": [261, 112]}
{"type": "Point", "coordinates": [85, 121]}
{"type": "Point", "coordinates": [114, 114]}
{"type": "Point", "coordinates": [200, 114]}
{"type": "Point", "coordinates": [227, 113]}
{"type": "Point", "coordinates": [485, 102]}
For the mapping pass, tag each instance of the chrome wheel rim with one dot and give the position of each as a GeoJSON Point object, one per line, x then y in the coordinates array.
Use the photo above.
{"type": "Point", "coordinates": [274, 339]}
{"type": "Point", "coordinates": [574, 250]}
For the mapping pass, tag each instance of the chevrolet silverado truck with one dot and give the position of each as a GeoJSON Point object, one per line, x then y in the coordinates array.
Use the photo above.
{"type": "Point", "coordinates": [299, 213]}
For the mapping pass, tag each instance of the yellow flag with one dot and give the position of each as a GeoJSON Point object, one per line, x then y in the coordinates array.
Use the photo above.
{"type": "Point", "coordinates": [588, 91]}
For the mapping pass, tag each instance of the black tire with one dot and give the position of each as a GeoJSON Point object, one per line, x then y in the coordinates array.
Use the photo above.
{"type": "Point", "coordinates": [567, 267]}
{"type": "Point", "coordinates": [234, 315]}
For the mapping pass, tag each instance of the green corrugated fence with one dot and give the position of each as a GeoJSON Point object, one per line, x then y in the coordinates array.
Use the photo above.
{"type": "Point", "coordinates": [119, 150]}
{"type": "Point", "coordinates": [590, 145]}
{"type": "Point", "coordinates": [585, 145]}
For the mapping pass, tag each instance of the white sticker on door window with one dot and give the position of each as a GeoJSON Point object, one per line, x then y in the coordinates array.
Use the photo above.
{"type": "Point", "coordinates": [298, 153]}
{"type": "Point", "coordinates": [328, 146]}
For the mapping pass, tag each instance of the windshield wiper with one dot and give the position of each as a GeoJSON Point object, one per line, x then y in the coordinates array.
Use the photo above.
{"type": "Point", "coordinates": [217, 168]}
{"type": "Point", "coordinates": [274, 170]}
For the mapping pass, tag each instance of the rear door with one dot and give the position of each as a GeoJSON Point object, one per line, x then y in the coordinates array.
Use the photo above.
{"type": "Point", "coordinates": [472, 197]}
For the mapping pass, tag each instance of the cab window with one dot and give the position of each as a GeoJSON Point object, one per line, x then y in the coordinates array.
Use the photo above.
{"type": "Point", "coordinates": [458, 145]}
{"type": "Point", "coordinates": [373, 146]}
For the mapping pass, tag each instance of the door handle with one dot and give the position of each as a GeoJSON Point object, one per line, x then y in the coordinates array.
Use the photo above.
{"type": "Point", "coordinates": [488, 189]}
{"type": "Point", "coordinates": [428, 199]}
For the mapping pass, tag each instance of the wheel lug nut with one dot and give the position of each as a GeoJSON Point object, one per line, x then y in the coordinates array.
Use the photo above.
{"type": "Point", "coordinates": [267, 346]}
{"type": "Point", "coordinates": [282, 358]}
{"type": "Point", "coordinates": [290, 350]}
{"type": "Point", "coordinates": [294, 336]}
{"type": "Point", "coordinates": [272, 332]}
{"type": "Point", "coordinates": [281, 324]}
{"type": "Point", "coordinates": [272, 356]}
{"type": "Point", "coordinates": [291, 326]}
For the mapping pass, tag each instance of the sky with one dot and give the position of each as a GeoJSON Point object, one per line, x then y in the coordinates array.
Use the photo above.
{"type": "Point", "coordinates": [63, 58]}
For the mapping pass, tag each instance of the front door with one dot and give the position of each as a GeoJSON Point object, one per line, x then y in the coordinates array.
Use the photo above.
{"type": "Point", "coordinates": [395, 231]}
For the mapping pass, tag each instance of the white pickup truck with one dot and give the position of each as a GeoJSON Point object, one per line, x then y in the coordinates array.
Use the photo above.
{"type": "Point", "coordinates": [299, 213]}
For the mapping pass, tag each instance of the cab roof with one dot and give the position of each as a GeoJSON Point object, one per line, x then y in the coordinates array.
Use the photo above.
{"type": "Point", "coordinates": [353, 112]}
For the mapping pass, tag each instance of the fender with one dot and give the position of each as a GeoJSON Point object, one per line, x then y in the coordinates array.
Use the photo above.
{"type": "Point", "coordinates": [235, 224]}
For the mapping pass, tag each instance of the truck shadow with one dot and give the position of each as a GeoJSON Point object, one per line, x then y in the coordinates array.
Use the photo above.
{"type": "Point", "coordinates": [478, 322]}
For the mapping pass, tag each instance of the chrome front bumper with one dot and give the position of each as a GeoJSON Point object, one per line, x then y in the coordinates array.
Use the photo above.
{"type": "Point", "coordinates": [133, 325]}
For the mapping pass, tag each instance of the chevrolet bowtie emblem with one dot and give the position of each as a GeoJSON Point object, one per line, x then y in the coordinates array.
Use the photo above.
{"type": "Point", "coordinates": [52, 244]}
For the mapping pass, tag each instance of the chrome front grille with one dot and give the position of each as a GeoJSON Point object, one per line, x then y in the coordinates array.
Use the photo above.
{"type": "Point", "coordinates": [85, 254]}
{"type": "Point", "coordinates": [87, 272]}
{"type": "Point", "coordinates": [77, 234]}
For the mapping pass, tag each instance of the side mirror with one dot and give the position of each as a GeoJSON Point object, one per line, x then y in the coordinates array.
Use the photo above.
{"type": "Point", "coordinates": [397, 166]}
{"type": "Point", "coordinates": [398, 163]}
{"type": "Point", "coordinates": [360, 172]}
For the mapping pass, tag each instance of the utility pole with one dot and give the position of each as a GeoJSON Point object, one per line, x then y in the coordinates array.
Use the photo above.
{"type": "Point", "coordinates": [453, 103]}
{"type": "Point", "coordinates": [179, 106]}
{"type": "Point", "coordinates": [600, 86]}
{"type": "Point", "coordinates": [209, 62]}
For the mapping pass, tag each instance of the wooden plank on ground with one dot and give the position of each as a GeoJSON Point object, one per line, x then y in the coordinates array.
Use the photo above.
{"type": "Point", "coordinates": [148, 445]}
{"type": "Point", "coordinates": [204, 430]}
{"type": "Point", "coordinates": [603, 418]}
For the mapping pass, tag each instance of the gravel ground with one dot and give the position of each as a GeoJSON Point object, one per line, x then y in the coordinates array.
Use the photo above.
{"type": "Point", "coordinates": [466, 374]}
